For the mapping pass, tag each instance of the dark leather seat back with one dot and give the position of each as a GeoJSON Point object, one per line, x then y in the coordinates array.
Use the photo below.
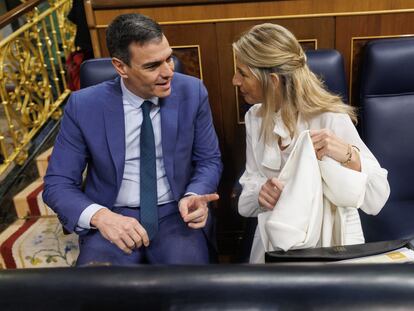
{"type": "Point", "coordinates": [97, 70]}
{"type": "Point", "coordinates": [387, 124]}
{"type": "Point", "coordinates": [328, 64]}
{"type": "Point", "coordinates": [210, 287]}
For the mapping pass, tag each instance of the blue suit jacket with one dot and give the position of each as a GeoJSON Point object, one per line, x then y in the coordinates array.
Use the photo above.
{"type": "Point", "coordinates": [92, 134]}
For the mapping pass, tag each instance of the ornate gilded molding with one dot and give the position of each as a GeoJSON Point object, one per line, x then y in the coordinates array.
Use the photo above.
{"type": "Point", "coordinates": [33, 77]}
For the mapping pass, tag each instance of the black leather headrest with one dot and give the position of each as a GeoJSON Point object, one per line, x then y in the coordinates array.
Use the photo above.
{"type": "Point", "coordinates": [388, 67]}
{"type": "Point", "coordinates": [94, 71]}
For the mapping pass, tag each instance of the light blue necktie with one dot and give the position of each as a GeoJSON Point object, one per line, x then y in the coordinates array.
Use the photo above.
{"type": "Point", "coordinates": [148, 174]}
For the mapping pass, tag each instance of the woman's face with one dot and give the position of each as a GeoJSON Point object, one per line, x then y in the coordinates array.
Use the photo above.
{"type": "Point", "coordinates": [248, 84]}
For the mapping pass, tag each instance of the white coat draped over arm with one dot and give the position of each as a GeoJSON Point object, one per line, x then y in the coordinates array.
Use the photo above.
{"type": "Point", "coordinates": [377, 188]}
{"type": "Point", "coordinates": [370, 197]}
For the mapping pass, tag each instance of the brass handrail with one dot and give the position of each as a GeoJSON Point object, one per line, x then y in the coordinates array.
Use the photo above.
{"type": "Point", "coordinates": [18, 11]}
{"type": "Point", "coordinates": [33, 77]}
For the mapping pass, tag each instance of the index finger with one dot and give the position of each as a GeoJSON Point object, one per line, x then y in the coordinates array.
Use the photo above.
{"type": "Point", "coordinates": [209, 197]}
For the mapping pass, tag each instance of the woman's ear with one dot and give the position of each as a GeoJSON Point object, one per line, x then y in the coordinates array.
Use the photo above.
{"type": "Point", "coordinates": [275, 80]}
{"type": "Point", "coordinates": [119, 66]}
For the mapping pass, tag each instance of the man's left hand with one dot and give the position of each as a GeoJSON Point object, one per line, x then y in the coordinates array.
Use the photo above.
{"type": "Point", "coordinates": [194, 209]}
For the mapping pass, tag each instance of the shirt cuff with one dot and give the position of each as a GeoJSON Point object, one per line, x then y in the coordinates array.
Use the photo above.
{"type": "Point", "coordinates": [84, 221]}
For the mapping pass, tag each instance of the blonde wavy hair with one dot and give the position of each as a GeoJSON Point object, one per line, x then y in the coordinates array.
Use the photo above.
{"type": "Point", "coordinates": [272, 49]}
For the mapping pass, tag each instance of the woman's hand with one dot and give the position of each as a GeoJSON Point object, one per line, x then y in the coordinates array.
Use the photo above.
{"type": "Point", "coordinates": [326, 143]}
{"type": "Point", "coordinates": [269, 193]}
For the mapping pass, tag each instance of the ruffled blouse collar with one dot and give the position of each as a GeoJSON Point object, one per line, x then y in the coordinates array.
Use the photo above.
{"type": "Point", "coordinates": [272, 157]}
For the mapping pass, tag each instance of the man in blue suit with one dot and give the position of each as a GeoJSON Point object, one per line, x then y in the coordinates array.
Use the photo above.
{"type": "Point", "coordinates": [151, 152]}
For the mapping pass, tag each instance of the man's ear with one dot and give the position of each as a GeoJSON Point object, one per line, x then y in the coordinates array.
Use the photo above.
{"type": "Point", "coordinates": [120, 67]}
{"type": "Point", "coordinates": [275, 80]}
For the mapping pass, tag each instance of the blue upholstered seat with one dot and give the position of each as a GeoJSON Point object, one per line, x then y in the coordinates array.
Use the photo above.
{"type": "Point", "coordinates": [97, 70]}
{"type": "Point", "coordinates": [387, 124]}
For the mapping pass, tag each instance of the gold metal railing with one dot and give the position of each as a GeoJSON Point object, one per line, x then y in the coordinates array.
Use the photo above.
{"type": "Point", "coordinates": [33, 77]}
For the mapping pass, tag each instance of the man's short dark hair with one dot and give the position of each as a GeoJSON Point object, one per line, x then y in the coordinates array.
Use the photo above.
{"type": "Point", "coordinates": [130, 28]}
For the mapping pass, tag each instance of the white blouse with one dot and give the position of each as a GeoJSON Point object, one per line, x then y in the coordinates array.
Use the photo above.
{"type": "Point", "coordinates": [264, 161]}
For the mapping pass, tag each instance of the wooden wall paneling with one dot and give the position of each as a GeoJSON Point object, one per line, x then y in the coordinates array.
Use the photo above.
{"type": "Point", "coordinates": [90, 19]}
{"type": "Point", "coordinates": [352, 33]}
{"type": "Point", "coordinates": [102, 42]}
{"type": "Point", "coordinates": [233, 12]}
{"type": "Point", "coordinates": [254, 9]}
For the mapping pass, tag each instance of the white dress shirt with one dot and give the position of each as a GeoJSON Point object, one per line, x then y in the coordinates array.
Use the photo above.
{"type": "Point", "coordinates": [129, 192]}
{"type": "Point", "coordinates": [266, 161]}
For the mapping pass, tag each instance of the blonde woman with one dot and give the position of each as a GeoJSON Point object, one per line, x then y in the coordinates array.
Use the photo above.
{"type": "Point", "coordinates": [272, 74]}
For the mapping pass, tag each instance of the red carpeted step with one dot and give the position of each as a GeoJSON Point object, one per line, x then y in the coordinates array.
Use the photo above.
{"type": "Point", "coordinates": [29, 202]}
{"type": "Point", "coordinates": [42, 160]}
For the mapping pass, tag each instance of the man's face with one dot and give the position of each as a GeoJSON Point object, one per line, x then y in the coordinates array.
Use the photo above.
{"type": "Point", "coordinates": [151, 69]}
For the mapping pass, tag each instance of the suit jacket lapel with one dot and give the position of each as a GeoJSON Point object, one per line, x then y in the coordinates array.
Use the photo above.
{"type": "Point", "coordinates": [115, 127]}
{"type": "Point", "coordinates": [169, 120]}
